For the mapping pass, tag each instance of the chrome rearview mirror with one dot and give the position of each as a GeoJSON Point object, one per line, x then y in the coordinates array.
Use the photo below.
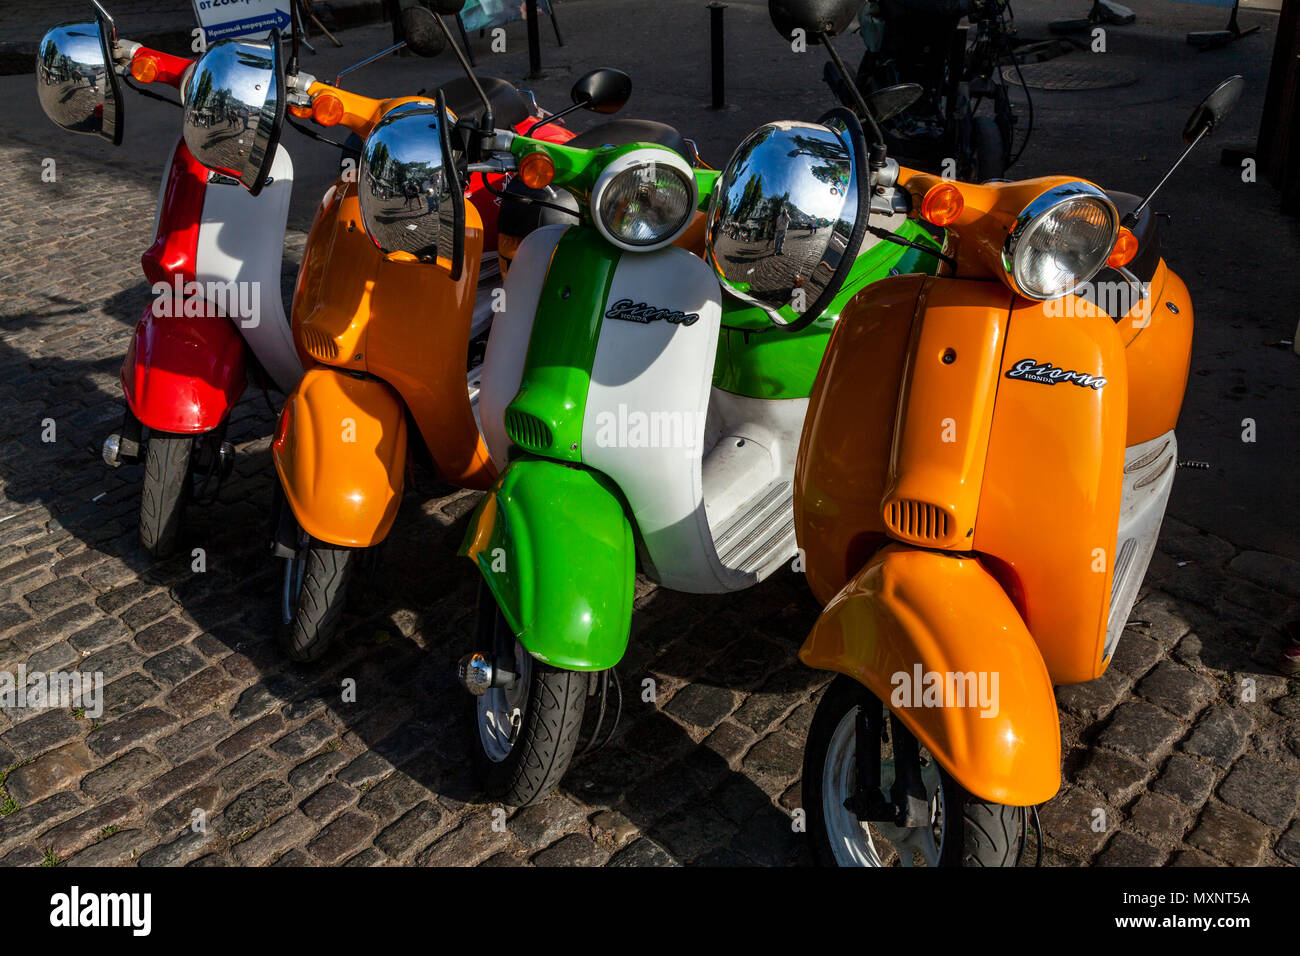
{"type": "Point", "coordinates": [75, 80]}
{"type": "Point", "coordinates": [787, 221]}
{"type": "Point", "coordinates": [404, 187]}
{"type": "Point", "coordinates": [234, 109]}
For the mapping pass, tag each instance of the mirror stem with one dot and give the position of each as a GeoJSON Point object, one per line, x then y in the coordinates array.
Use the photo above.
{"type": "Point", "coordinates": [555, 116]}
{"type": "Point", "coordinates": [370, 59]}
{"type": "Point", "coordinates": [294, 26]}
{"type": "Point", "coordinates": [878, 138]}
{"type": "Point", "coordinates": [1131, 219]}
{"type": "Point", "coordinates": [469, 71]}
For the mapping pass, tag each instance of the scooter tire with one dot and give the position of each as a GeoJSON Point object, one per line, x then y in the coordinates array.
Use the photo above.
{"type": "Point", "coordinates": [981, 834]}
{"type": "Point", "coordinates": [318, 607]}
{"type": "Point", "coordinates": [165, 491]}
{"type": "Point", "coordinates": [551, 722]}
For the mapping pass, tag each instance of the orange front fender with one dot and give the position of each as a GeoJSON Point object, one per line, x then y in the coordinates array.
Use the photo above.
{"type": "Point", "coordinates": [910, 614]}
{"type": "Point", "coordinates": [340, 450]}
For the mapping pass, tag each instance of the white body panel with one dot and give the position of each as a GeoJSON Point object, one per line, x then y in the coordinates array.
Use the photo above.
{"type": "Point", "coordinates": [647, 406]}
{"type": "Point", "coordinates": [503, 365]}
{"type": "Point", "coordinates": [706, 473]}
{"type": "Point", "coordinates": [1148, 477]}
{"type": "Point", "coordinates": [241, 240]}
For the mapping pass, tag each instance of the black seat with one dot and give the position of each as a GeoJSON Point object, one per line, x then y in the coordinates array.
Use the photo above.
{"type": "Point", "coordinates": [509, 108]}
{"type": "Point", "coordinates": [620, 132]}
{"type": "Point", "coordinates": [1116, 300]}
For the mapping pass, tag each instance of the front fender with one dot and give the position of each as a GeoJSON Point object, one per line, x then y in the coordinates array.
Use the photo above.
{"type": "Point", "coordinates": [182, 373]}
{"type": "Point", "coordinates": [554, 545]}
{"type": "Point", "coordinates": [340, 450]}
{"type": "Point", "coordinates": [910, 614]}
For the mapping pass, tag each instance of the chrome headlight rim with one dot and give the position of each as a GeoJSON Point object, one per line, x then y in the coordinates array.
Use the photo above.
{"type": "Point", "coordinates": [1034, 215]}
{"type": "Point", "coordinates": [643, 156]}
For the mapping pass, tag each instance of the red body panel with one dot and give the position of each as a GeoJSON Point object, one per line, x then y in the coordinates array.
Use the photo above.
{"type": "Point", "coordinates": [183, 374]}
{"type": "Point", "coordinates": [176, 241]}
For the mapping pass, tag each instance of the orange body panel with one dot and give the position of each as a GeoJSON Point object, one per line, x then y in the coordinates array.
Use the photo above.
{"type": "Point", "coordinates": [340, 451]}
{"type": "Point", "coordinates": [945, 411]}
{"type": "Point", "coordinates": [399, 319]}
{"type": "Point", "coordinates": [842, 467]}
{"type": "Point", "coordinates": [909, 612]}
{"type": "Point", "coordinates": [1159, 349]}
{"type": "Point", "coordinates": [1055, 550]}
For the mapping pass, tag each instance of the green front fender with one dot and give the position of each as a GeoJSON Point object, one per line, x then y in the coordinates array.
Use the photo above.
{"type": "Point", "coordinates": [555, 547]}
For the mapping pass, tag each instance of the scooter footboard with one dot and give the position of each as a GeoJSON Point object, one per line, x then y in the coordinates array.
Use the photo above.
{"type": "Point", "coordinates": [936, 638]}
{"type": "Point", "coordinates": [554, 546]}
{"type": "Point", "coordinates": [340, 450]}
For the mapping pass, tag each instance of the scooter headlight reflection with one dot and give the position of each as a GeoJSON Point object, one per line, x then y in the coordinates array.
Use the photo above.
{"type": "Point", "coordinates": [75, 81]}
{"type": "Point", "coordinates": [234, 109]}
{"type": "Point", "coordinates": [403, 187]}
{"type": "Point", "coordinates": [1060, 240]}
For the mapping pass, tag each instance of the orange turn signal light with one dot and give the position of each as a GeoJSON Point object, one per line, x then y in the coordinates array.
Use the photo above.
{"type": "Point", "coordinates": [327, 109]}
{"type": "Point", "coordinates": [302, 112]}
{"type": "Point", "coordinates": [144, 69]}
{"type": "Point", "coordinates": [942, 205]}
{"type": "Point", "coordinates": [537, 170]}
{"type": "Point", "coordinates": [1126, 247]}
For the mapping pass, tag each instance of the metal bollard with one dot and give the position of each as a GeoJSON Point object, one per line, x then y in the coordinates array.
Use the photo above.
{"type": "Point", "coordinates": [717, 55]}
{"type": "Point", "coordinates": [534, 41]}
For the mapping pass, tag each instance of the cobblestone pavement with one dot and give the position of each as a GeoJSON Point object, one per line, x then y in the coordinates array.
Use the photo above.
{"type": "Point", "coordinates": [1189, 745]}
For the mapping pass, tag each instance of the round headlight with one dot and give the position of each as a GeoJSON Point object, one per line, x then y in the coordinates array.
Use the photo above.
{"type": "Point", "coordinates": [644, 199]}
{"type": "Point", "coordinates": [234, 108]}
{"type": "Point", "coordinates": [1060, 241]}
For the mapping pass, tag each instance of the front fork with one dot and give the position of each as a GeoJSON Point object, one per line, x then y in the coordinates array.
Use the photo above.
{"type": "Point", "coordinates": [213, 456]}
{"type": "Point", "coordinates": [908, 804]}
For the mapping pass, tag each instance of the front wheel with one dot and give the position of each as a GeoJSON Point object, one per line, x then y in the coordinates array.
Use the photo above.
{"type": "Point", "coordinates": [314, 592]}
{"type": "Point", "coordinates": [962, 831]}
{"type": "Point", "coordinates": [165, 491]}
{"type": "Point", "coordinates": [523, 733]}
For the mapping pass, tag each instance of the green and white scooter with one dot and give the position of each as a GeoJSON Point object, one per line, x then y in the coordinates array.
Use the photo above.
{"type": "Point", "coordinates": [642, 416]}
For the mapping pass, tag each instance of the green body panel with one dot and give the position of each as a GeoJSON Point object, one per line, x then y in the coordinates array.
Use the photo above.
{"type": "Point", "coordinates": [578, 169]}
{"type": "Point", "coordinates": [566, 327]}
{"type": "Point", "coordinates": [760, 361]}
{"type": "Point", "coordinates": [555, 547]}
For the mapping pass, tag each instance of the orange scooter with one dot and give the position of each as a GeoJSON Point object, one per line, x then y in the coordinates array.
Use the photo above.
{"type": "Point", "coordinates": [983, 537]}
{"type": "Point", "coordinates": [383, 337]}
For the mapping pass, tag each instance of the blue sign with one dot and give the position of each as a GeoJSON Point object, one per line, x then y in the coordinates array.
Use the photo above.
{"type": "Point", "coordinates": [224, 19]}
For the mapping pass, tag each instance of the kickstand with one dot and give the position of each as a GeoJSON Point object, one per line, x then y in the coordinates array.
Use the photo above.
{"type": "Point", "coordinates": [1214, 39]}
